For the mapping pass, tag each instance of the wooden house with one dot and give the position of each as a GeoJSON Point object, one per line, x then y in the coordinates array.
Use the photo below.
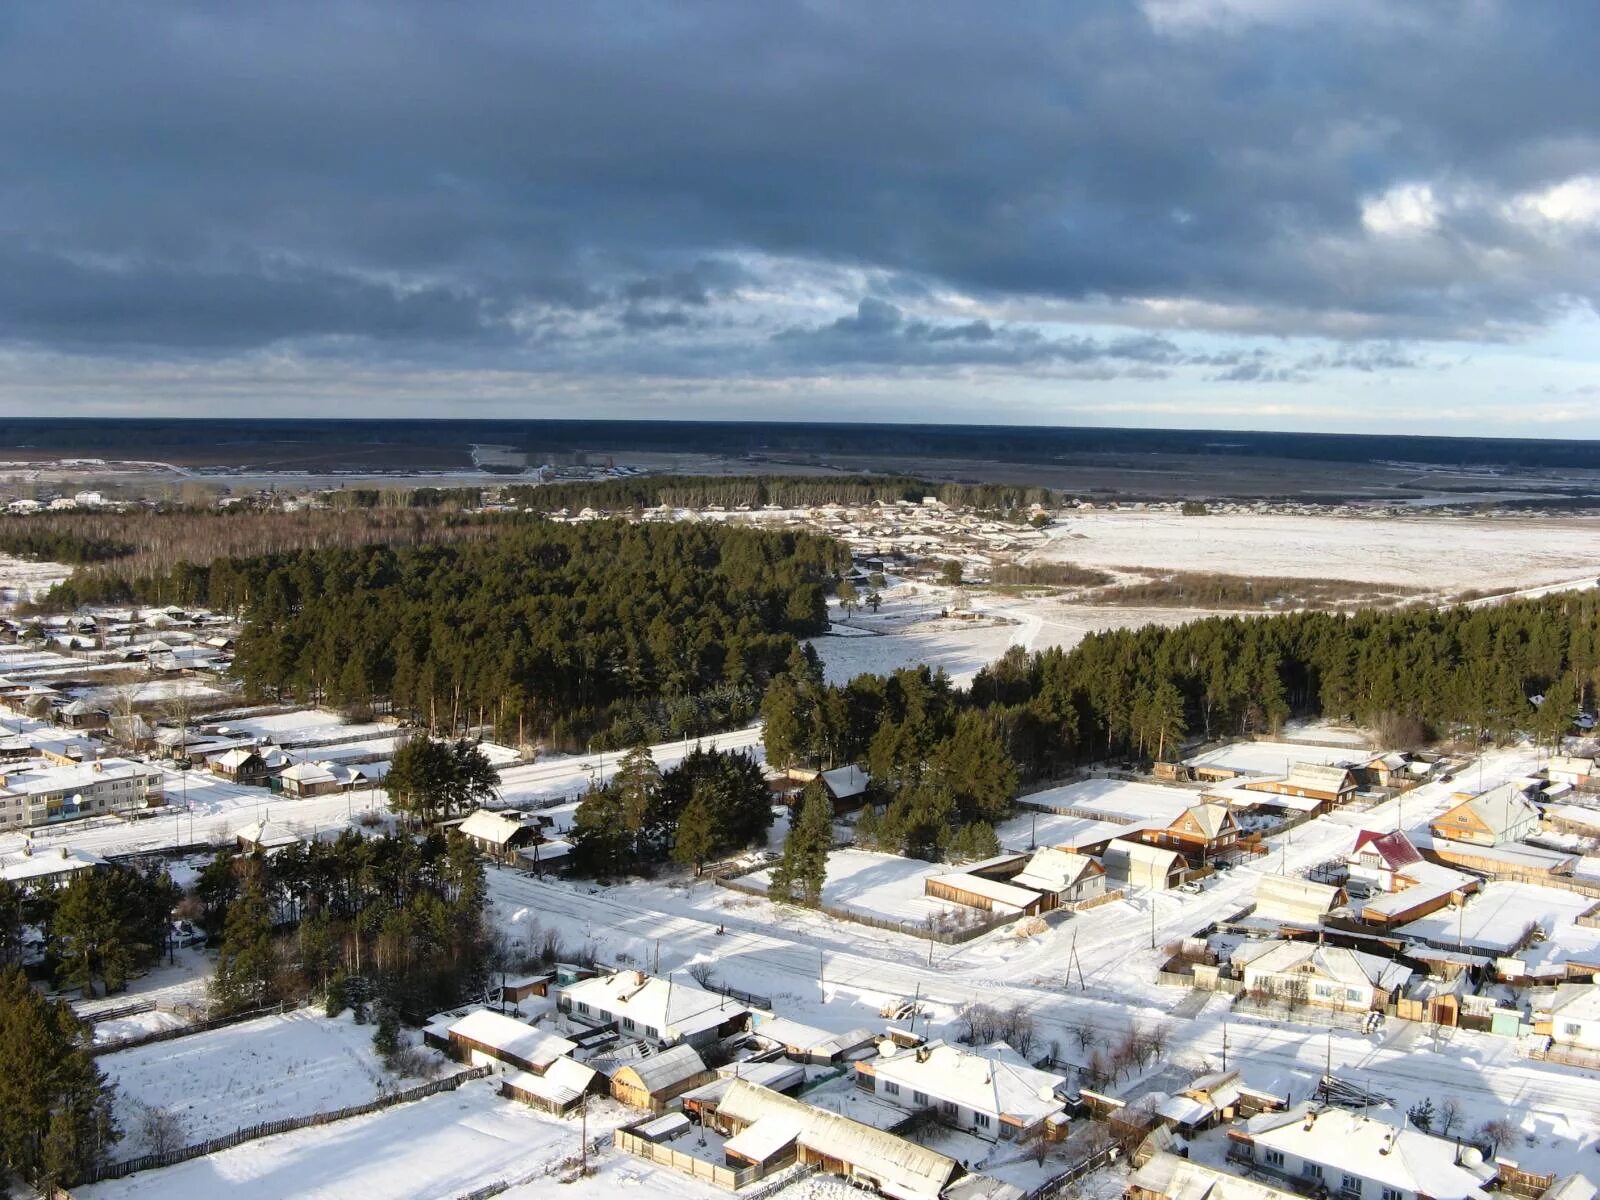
{"type": "Point", "coordinates": [241, 765]}
{"type": "Point", "coordinates": [558, 1090]}
{"type": "Point", "coordinates": [1332, 785]}
{"type": "Point", "coordinates": [305, 780]}
{"type": "Point", "coordinates": [487, 1037]}
{"type": "Point", "coordinates": [657, 1080]}
{"type": "Point", "coordinates": [1201, 832]}
{"type": "Point", "coordinates": [1498, 817]}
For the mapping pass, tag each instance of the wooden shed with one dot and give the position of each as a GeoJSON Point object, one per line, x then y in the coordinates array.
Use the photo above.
{"type": "Point", "coordinates": [656, 1081]}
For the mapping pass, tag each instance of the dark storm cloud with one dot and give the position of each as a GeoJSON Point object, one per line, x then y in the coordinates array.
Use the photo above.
{"type": "Point", "coordinates": [188, 176]}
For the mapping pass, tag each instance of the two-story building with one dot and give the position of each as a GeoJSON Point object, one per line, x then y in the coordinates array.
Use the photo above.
{"type": "Point", "coordinates": [1499, 817]}
{"type": "Point", "coordinates": [47, 795]}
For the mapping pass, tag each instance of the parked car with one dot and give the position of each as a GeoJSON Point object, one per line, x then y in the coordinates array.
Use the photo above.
{"type": "Point", "coordinates": [1193, 886]}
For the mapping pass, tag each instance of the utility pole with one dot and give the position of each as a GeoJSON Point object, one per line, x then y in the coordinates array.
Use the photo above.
{"type": "Point", "coordinates": [1224, 1045]}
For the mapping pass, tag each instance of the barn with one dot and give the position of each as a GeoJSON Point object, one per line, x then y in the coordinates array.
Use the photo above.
{"type": "Point", "coordinates": [1133, 864]}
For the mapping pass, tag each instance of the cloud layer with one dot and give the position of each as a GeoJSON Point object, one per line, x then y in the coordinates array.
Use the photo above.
{"type": "Point", "coordinates": [1212, 191]}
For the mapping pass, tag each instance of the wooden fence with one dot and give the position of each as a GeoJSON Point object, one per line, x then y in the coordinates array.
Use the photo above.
{"type": "Point", "coordinates": [729, 1178]}
{"type": "Point", "coordinates": [167, 1035]}
{"type": "Point", "coordinates": [112, 1014]}
{"type": "Point", "coordinates": [1058, 1185]}
{"type": "Point", "coordinates": [251, 1133]}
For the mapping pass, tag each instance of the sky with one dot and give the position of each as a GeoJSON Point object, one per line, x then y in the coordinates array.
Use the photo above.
{"type": "Point", "coordinates": [1352, 215]}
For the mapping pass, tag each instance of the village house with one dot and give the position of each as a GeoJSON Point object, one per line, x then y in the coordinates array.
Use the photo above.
{"type": "Point", "coordinates": [559, 1090]}
{"type": "Point", "coordinates": [806, 1044]}
{"type": "Point", "coordinates": [654, 1081]}
{"type": "Point", "coordinates": [1291, 900]}
{"type": "Point", "coordinates": [485, 1037]}
{"type": "Point", "coordinates": [992, 1092]}
{"type": "Point", "coordinates": [1319, 975]}
{"type": "Point", "coordinates": [1168, 1177]}
{"type": "Point", "coordinates": [769, 1129]}
{"type": "Point", "coordinates": [1136, 865]}
{"type": "Point", "coordinates": [663, 1012]}
{"type": "Point", "coordinates": [1501, 816]}
{"type": "Point", "coordinates": [500, 833]}
{"type": "Point", "coordinates": [1329, 785]}
{"type": "Point", "coordinates": [1569, 1015]}
{"type": "Point", "coordinates": [1357, 1156]}
{"type": "Point", "coordinates": [1390, 883]}
{"type": "Point", "coordinates": [1201, 832]}
{"type": "Point", "coordinates": [1571, 770]}
{"type": "Point", "coordinates": [1064, 878]}
{"type": "Point", "coordinates": [988, 892]}
{"type": "Point", "coordinates": [305, 780]}
{"type": "Point", "coordinates": [1215, 1098]}
{"type": "Point", "coordinates": [241, 765]}
{"type": "Point", "coordinates": [80, 714]}
{"type": "Point", "coordinates": [264, 836]}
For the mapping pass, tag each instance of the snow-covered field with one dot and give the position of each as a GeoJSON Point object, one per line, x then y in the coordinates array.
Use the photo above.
{"type": "Point", "coordinates": [440, 1147]}
{"type": "Point", "coordinates": [1434, 554]}
{"type": "Point", "coordinates": [21, 579]}
{"type": "Point", "coordinates": [1275, 758]}
{"type": "Point", "coordinates": [961, 648]}
{"type": "Point", "coordinates": [283, 1066]}
{"type": "Point", "coordinates": [1496, 918]}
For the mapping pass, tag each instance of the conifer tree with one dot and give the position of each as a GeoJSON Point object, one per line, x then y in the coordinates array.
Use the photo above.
{"type": "Point", "coordinates": [247, 962]}
{"type": "Point", "coordinates": [802, 869]}
{"type": "Point", "coordinates": [697, 838]}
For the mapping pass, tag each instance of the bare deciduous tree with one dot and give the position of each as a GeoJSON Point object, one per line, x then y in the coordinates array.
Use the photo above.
{"type": "Point", "coordinates": [161, 1129]}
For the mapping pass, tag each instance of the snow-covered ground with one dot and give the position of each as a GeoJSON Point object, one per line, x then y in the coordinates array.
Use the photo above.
{"type": "Point", "coordinates": [21, 579]}
{"type": "Point", "coordinates": [1431, 553]}
{"type": "Point", "coordinates": [440, 1147]}
{"type": "Point", "coordinates": [282, 1066]}
{"type": "Point", "coordinates": [882, 885]}
{"type": "Point", "coordinates": [1275, 758]}
{"type": "Point", "coordinates": [1497, 918]}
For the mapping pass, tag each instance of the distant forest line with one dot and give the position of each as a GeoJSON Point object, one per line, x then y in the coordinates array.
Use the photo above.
{"type": "Point", "coordinates": [756, 491]}
{"type": "Point", "coordinates": [569, 632]}
{"type": "Point", "coordinates": [213, 439]}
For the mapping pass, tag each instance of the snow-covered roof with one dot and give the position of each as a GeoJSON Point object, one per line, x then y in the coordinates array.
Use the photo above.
{"type": "Point", "coordinates": [68, 779]}
{"type": "Point", "coordinates": [234, 759]}
{"type": "Point", "coordinates": [1289, 898]}
{"type": "Point", "coordinates": [1184, 1179]}
{"type": "Point", "coordinates": [267, 835]}
{"type": "Point", "coordinates": [846, 782]}
{"type": "Point", "coordinates": [304, 773]}
{"type": "Point", "coordinates": [808, 1039]}
{"type": "Point", "coordinates": [665, 1068]}
{"type": "Point", "coordinates": [1052, 870]}
{"type": "Point", "coordinates": [1517, 855]}
{"type": "Point", "coordinates": [1349, 967]}
{"type": "Point", "coordinates": [1500, 809]}
{"type": "Point", "coordinates": [512, 1037]}
{"type": "Point", "coordinates": [1212, 819]}
{"type": "Point", "coordinates": [1120, 855]}
{"type": "Point", "coordinates": [496, 827]}
{"type": "Point", "coordinates": [993, 890]}
{"type": "Point", "coordinates": [995, 1079]}
{"type": "Point", "coordinates": [1571, 764]}
{"type": "Point", "coordinates": [1317, 777]}
{"type": "Point", "coordinates": [902, 1168]}
{"type": "Point", "coordinates": [563, 1081]}
{"type": "Point", "coordinates": [1382, 1148]}
{"type": "Point", "coordinates": [1576, 1001]}
{"type": "Point", "coordinates": [23, 865]}
{"type": "Point", "coordinates": [1429, 881]}
{"type": "Point", "coordinates": [766, 1137]}
{"type": "Point", "coordinates": [1394, 848]}
{"type": "Point", "coordinates": [673, 1008]}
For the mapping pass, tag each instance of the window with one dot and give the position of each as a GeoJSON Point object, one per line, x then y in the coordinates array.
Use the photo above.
{"type": "Point", "coordinates": [650, 1031]}
{"type": "Point", "coordinates": [583, 1007]}
{"type": "Point", "coordinates": [1351, 1185]}
{"type": "Point", "coordinates": [627, 1023]}
{"type": "Point", "coordinates": [1572, 1029]}
{"type": "Point", "coordinates": [891, 1088]}
{"type": "Point", "coordinates": [947, 1107]}
{"type": "Point", "coordinates": [1273, 1158]}
{"type": "Point", "coordinates": [919, 1098]}
{"type": "Point", "coordinates": [982, 1119]}
{"type": "Point", "coordinates": [1392, 1194]}
{"type": "Point", "coordinates": [1311, 1170]}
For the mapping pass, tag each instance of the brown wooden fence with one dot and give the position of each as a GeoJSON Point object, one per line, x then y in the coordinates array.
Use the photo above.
{"type": "Point", "coordinates": [947, 937]}
{"type": "Point", "coordinates": [251, 1133]}
{"type": "Point", "coordinates": [167, 1035]}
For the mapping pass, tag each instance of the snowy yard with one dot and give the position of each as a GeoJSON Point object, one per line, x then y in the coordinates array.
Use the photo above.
{"type": "Point", "coordinates": [961, 648]}
{"type": "Point", "coordinates": [880, 885]}
{"type": "Point", "coordinates": [1496, 918]}
{"type": "Point", "coordinates": [281, 1066]}
{"type": "Point", "coordinates": [1275, 758]}
{"type": "Point", "coordinates": [439, 1147]}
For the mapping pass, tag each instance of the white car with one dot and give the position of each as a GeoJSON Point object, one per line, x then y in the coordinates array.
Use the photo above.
{"type": "Point", "coordinates": [1193, 886]}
